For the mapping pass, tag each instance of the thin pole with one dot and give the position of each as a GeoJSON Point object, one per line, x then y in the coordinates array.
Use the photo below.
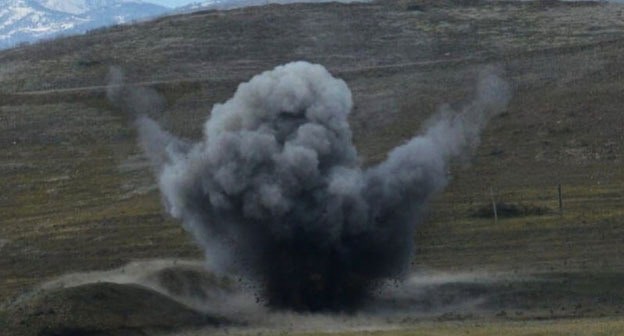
{"type": "Point", "coordinates": [560, 200]}
{"type": "Point", "coordinates": [494, 206]}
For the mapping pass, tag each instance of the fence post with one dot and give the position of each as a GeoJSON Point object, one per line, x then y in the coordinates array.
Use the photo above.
{"type": "Point", "coordinates": [494, 206]}
{"type": "Point", "coordinates": [560, 200]}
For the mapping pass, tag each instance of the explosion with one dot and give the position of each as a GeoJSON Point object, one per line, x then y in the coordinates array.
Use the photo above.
{"type": "Point", "coordinates": [275, 191]}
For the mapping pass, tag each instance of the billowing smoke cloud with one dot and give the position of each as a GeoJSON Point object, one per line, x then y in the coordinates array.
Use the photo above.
{"type": "Point", "coordinates": [275, 190]}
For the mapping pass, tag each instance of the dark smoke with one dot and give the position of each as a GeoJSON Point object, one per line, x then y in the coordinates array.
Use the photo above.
{"type": "Point", "coordinates": [275, 190]}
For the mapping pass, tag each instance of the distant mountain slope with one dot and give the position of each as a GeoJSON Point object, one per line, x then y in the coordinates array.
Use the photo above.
{"type": "Point", "coordinates": [231, 4]}
{"type": "Point", "coordinates": [81, 6]}
{"type": "Point", "coordinates": [31, 20]}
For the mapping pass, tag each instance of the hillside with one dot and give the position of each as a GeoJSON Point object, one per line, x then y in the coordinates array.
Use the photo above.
{"type": "Point", "coordinates": [78, 195]}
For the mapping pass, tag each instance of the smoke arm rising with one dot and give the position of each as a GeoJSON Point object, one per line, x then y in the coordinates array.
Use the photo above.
{"type": "Point", "coordinates": [419, 168]}
{"type": "Point", "coordinates": [274, 191]}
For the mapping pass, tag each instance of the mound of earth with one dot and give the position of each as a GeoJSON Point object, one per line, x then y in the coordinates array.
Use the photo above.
{"type": "Point", "coordinates": [100, 309]}
{"type": "Point", "coordinates": [191, 282]}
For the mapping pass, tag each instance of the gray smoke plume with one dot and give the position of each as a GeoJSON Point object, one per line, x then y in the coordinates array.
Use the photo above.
{"type": "Point", "coordinates": [275, 190]}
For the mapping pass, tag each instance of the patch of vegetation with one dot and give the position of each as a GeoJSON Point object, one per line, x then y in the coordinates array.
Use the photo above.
{"type": "Point", "coordinates": [508, 210]}
{"type": "Point", "coordinates": [582, 327]}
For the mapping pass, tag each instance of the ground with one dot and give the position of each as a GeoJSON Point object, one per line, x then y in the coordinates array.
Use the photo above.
{"type": "Point", "coordinates": [78, 195]}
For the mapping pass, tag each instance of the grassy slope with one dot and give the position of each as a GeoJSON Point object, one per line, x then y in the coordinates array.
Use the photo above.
{"type": "Point", "coordinates": [78, 196]}
{"type": "Point", "coordinates": [603, 327]}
